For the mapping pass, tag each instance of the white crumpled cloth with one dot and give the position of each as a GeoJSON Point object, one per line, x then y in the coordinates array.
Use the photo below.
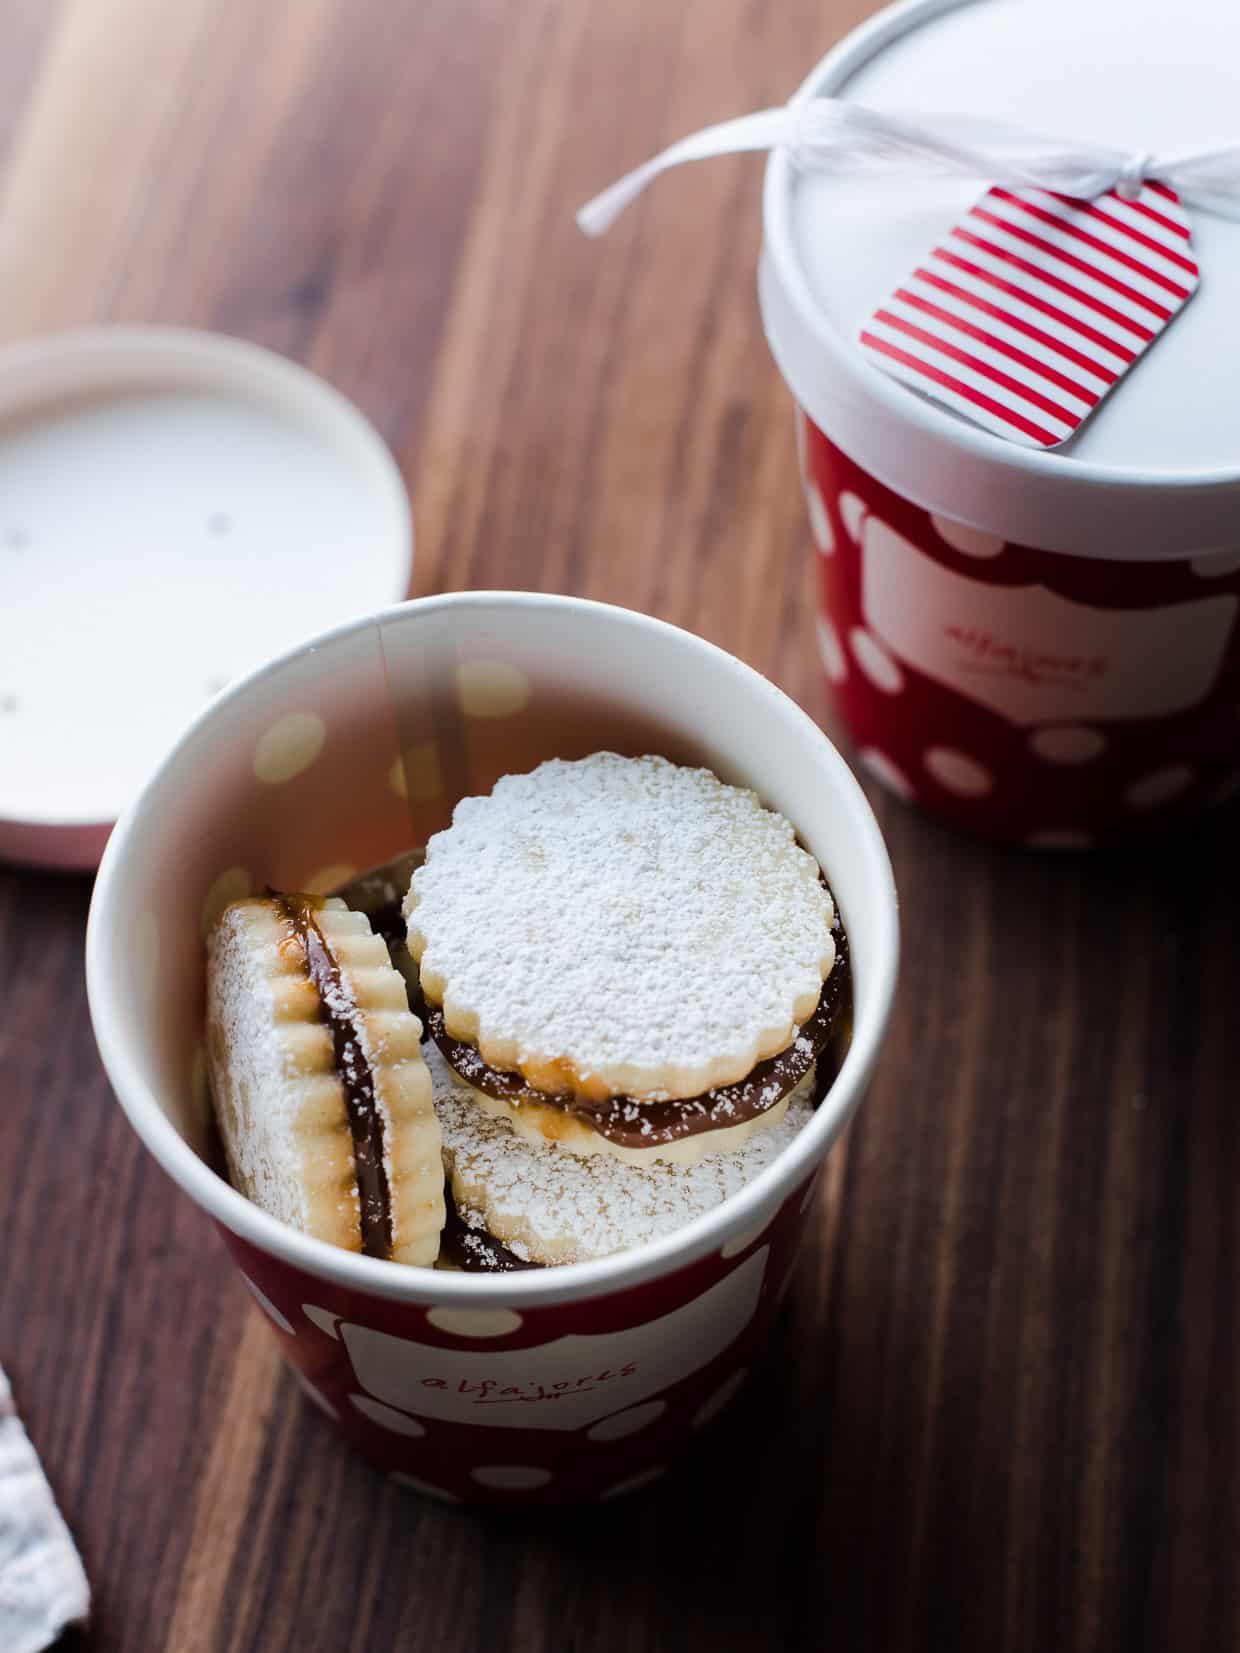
{"type": "Point", "coordinates": [43, 1589]}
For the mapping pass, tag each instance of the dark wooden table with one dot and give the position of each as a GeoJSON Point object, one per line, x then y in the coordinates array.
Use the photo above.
{"type": "Point", "coordinates": [1001, 1408]}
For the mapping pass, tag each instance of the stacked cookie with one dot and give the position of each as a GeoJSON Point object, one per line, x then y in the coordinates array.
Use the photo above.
{"type": "Point", "coordinates": [321, 1095]}
{"type": "Point", "coordinates": [628, 974]}
{"type": "Point", "coordinates": [623, 966]}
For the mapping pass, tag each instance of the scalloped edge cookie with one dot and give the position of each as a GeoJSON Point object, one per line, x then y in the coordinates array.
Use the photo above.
{"type": "Point", "coordinates": [620, 927]}
{"type": "Point", "coordinates": [279, 1099]}
{"type": "Point", "coordinates": [549, 1206]}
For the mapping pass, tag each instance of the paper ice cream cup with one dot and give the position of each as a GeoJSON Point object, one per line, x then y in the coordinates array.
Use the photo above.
{"type": "Point", "coordinates": [1039, 645]}
{"type": "Point", "coordinates": [1060, 701]}
{"type": "Point", "coordinates": [578, 1381]}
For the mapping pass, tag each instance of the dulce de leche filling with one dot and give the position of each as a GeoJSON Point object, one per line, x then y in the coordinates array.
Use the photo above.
{"type": "Point", "coordinates": [339, 1015]}
{"type": "Point", "coordinates": [631, 1123]}
{"type": "Point", "coordinates": [475, 1250]}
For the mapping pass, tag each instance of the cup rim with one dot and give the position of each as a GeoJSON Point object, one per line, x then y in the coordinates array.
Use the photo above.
{"type": "Point", "coordinates": [946, 464]}
{"type": "Point", "coordinates": [566, 1282]}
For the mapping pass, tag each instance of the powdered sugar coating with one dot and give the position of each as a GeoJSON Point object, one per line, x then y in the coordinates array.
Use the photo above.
{"type": "Point", "coordinates": [278, 1093]}
{"type": "Point", "coordinates": [549, 1206]}
{"type": "Point", "coordinates": [277, 1099]}
{"type": "Point", "coordinates": [621, 926]}
{"type": "Point", "coordinates": [544, 1123]}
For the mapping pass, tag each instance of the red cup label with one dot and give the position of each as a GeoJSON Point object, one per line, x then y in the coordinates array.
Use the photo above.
{"type": "Point", "coordinates": [1032, 655]}
{"type": "Point", "coordinates": [1053, 698]}
{"type": "Point", "coordinates": [565, 1384]}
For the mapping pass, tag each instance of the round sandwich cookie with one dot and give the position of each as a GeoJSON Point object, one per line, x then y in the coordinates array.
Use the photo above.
{"type": "Point", "coordinates": [626, 958]}
{"type": "Point", "coordinates": [320, 1090]}
{"type": "Point", "coordinates": [545, 1206]}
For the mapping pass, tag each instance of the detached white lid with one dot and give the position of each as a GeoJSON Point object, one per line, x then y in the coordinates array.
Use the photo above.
{"type": "Point", "coordinates": [175, 508]}
{"type": "Point", "coordinates": [1156, 472]}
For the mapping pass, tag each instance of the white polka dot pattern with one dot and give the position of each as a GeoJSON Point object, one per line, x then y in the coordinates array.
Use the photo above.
{"type": "Point", "coordinates": [959, 773]}
{"type": "Point", "coordinates": [322, 1318]}
{"type": "Point", "coordinates": [853, 512]}
{"type": "Point", "coordinates": [311, 1393]}
{"type": "Point", "coordinates": [424, 1487]}
{"type": "Point", "coordinates": [882, 768]}
{"type": "Point", "coordinates": [819, 521]}
{"type": "Point", "coordinates": [1068, 743]}
{"type": "Point", "coordinates": [326, 879]}
{"type": "Point", "coordinates": [419, 774]}
{"type": "Point", "coordinates": [970, 542]}
{"type": "Point", "coordinates": [475, 1322]}
{"type": "Point", "coordinates": [289, 747]}
{"type": "Point", "coordinates": [268, 1307]}
{"type": "Point", "coordinates": [491, 688]}
{"type": "Point", "coordinates": [834, 660]}
{"type": "Point", "coordinates": [874, 661]}
{"type": "Point", "coordinates": [1160, 786]}
{"type": "Point", "coordinates": [387, 1417]}
{"type": "Point", "coordinates": [635, 1482]}
{"type": "Point", "coordinates": [511, 1477]}
{"type": "Point", "coordinates": [726, 1392]}
{"type": "Point", "coordinates": [233, 884]}
{"type": "Point", "coordinates": [622, 1424]}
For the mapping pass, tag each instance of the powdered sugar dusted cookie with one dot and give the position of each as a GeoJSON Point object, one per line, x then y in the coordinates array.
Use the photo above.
{"type": "Point", "coordinates": [544, 1125]}
{"type": "Point", "coordinates": [549, 1206]}
{"type": "Point", "coordinates": [621, 927]}
{"type": "Point", "coordinates": [681, 1130]}
{"type": "Point", "coordinates": [320, 1090]}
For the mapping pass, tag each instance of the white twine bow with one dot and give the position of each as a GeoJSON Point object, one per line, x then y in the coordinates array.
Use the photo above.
{"type": "Point", "coordinates": [827, 134]}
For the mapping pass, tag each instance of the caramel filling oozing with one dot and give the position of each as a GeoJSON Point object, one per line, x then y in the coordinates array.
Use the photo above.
{"type": "Point", "coordinates": [339, 1015]}
{"type": "Point", "coordinates": [631, 1123]}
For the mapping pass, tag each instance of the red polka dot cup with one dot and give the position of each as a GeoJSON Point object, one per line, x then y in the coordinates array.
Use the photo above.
{"type": "Point", "coordinates": [1021, 693]}
{"type": "Point", "coordinates": [1039, 645]}
{"type": "Point", "coordinates": [575, 1382]}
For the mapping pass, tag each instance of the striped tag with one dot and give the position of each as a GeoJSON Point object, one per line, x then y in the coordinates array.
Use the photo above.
{"type": "Point", "coordinates": [1035, 305]}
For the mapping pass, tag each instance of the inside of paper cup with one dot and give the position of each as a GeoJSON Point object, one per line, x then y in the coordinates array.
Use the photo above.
{"type": "Point", "coordinates": [356, 750]}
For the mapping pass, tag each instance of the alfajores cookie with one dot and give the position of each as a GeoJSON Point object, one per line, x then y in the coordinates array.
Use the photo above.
{"type": "Point", "coordinates": [321, 1094]}
{"type": "Point", "coordinates": [546, 1206]}
{"type": "Point", "coordinates": [625, 957]}
{"type": "Point", "coordinates": [608, 923]}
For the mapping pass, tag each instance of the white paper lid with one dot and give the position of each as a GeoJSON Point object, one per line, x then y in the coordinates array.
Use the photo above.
{"type": "Point", "coordinates": [1156, 473]}
{"type": "Point", "coordinates": [175, 508]}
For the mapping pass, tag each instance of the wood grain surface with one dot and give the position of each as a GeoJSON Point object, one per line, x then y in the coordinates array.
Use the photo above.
{"type": "Point", "coordinates": [1001, 1407]}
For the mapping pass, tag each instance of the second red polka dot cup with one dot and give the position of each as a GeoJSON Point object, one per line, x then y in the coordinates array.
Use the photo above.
{"type": "Point", "coordinates": [583, 1381]}
{"type": "Point", "coordinates": [1037, 645]}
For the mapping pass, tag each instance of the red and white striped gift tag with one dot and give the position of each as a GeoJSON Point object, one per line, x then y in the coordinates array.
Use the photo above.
{"type": "Point", "coordinates": [1034, 306]}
